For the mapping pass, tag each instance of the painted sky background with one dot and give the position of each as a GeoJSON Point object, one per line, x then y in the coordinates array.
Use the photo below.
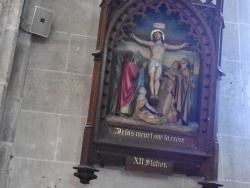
{"type": "Point", "coordinates": [174, 31]}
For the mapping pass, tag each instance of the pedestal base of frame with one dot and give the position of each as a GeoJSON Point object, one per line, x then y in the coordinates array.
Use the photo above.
{"type": "Point", "coordinates": [85, 173]}
{"type": "Point", "coordinates": [209, 184]}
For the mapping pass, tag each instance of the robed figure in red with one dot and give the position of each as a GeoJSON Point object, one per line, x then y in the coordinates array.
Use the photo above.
{"type": "Point", "coordinates": [127, 85]}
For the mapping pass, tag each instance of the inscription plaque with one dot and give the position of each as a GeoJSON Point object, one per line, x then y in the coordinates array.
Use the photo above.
{"type": "Point", "coordinates": [149, 165]}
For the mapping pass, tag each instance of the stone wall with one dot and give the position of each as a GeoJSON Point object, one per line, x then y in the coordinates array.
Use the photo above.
{"type": "Point", "coordinates": [234, 107]}
{"type": "Point", "coordinates": [55, 96]}
{"type": "Point", "coordinates": [55, 101]}
{"type": "Point", "coordinates": [10, 13]}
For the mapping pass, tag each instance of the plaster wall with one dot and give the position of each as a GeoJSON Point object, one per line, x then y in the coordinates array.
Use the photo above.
{"type": "Point", "coordinates": [55, 97]}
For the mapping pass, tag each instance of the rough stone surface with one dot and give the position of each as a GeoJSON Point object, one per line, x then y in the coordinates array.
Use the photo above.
{"type": "Point", "coordinates": [83, 19]}
{"type": "Point", "coordinates": [56, 96]}
{"type": "Point", "coordinates": [244, 14]}
{"type": "Point", "coordinates": [36, 135]}
{"type": "Point", "coordinates": [235, 157]}
{"type": "Point", "coordinates": [7, 49]}
{"type": "Point", "coordinates": [125, 179]}
{"type": "Point", "coordinates": [244, 39]}
{"type": "Point", "coordinates": [15, 89]}
{"type": "Point", "coordinates": [231, 125]}
{"type": "Point", "coordinates": [5, 155]}
{"type": "Point", "coordinates": [230, 50]}
{"type": "Point", "coordinates": [246, 117]}
{"type": "Point", "coordinates": [231, 84]}
{"type": "Point", "coordinates": [28, 173]}
{"type": "Point", "coordinates": [70, 135]}
{"type": "Point", "coordinates": [56, 92]}
{"type": "Point", "coordinates": [10, 12]}
{"type": "Point", "coordinates": [49, 53]}
{"type": "Point", "coordinates": [81, 48]}
{"type": "Point", "coordinates": [230, 12]}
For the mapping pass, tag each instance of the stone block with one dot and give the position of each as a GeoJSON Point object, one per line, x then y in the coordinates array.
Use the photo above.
{"type": "Point", "coordinates": [125, 179]}
{"type": "Point", "coordinates": [230, 12]}
{"type": "Point", "coordinates": [10, 116]}
{"type": "Point", "coordinates": [56, 92]}
{"type": "Point", "coordinates": [83, 19]}
{"type": "Point", "coordinates": [230, 117]}
{"type": "Point", "coordinates": [19, 63]}
{"type": "Point", "coordinates": [36, 135]}
{"type": "Point", "coordinates": [7, 49]}
{"type": "Point", "coordinates": [235, 153]}
{"type": "Point", "coordinates": [231, 184]}
{"type": "Point", "coordinates": [231, 84]}
{"type": "Point", "coordinates": [247, 117]}
{"type": "Point", "coordinates": [246, 81]}
{"type": "Point", "coordinates": [15, 88]}
{"type": "Point", "coordinates": [2, 89]}
{"type": "Point", "coordinates": [80, 58]}
{"type": "Point", "coordinates": [1, 8]}
{"type": "Point", "coordinates": [230, 43]}
{"type": "Point", "coordinates": [244, 14]}
{"type": "Point", "coordinates": [14, 1]}
{"type": "Point", "coordinates": [245, 46]}
{"type": "Point", "coordinates": [5, 156]}
{"type": "Point", "coordinates": [11, 15]}
{"type": "Point", "coordinates": [42, 174]}
{"type": "Point", "coordinates": [50, 53]}
{"type": "Point", "coordinates": [244, 41]}
{"type": "Point", "coordinates": [220, 165]}
{"type": "Point", "coordinates": [191, 182]}
{"type": "Point", "coordinates": [70, 137]}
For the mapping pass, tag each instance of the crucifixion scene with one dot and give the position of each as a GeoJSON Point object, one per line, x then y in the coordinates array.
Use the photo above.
{"type": "Point", "coordinates": [156, 70]}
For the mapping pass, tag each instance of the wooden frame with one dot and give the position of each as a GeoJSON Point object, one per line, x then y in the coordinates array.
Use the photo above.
{"type": "Point", "coordinates": [165, 146]}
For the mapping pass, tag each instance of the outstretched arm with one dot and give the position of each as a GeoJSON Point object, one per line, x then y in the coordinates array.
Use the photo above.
{"type": "Point", "coordinates": [176, 47]}
{"type": "Point", "coordinates": [140, 41]}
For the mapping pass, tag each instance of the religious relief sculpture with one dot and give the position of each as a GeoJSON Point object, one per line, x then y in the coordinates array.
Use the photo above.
{"type": "Point", "coordinates": [169, 85]}
{"type": "Point", "coordinates": [184, 84]}
{"type": "Point", "coordinates": [144, 110]}
{"type": "Point", "coordinates": [157, 48]}
{"type": "Point", "coordinates": [175, 92]}
{"type": "Point", "coordinates": [153, 98]}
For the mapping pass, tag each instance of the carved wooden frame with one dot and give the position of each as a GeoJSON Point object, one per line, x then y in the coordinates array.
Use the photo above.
{"type": "Point", "coordinates": [200, 159]}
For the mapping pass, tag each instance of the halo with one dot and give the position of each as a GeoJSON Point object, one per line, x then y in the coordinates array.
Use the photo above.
{"type": "Point", "coordinates": [157, 30]}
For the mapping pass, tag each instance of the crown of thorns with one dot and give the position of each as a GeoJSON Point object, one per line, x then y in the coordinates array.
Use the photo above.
{"type": "Point", "coordinates": [155, 31]}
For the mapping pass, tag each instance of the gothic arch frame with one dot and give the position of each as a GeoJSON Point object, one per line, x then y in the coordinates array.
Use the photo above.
{"type": "Point", "coordinates": [208, 53]}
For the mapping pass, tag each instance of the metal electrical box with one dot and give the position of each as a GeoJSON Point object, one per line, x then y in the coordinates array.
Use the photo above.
{"type": "Point", "coordinates": [41, 21]}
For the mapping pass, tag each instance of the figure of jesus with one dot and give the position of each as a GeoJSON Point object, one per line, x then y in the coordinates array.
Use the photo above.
{"type": "Point", "coordinates": [157, 48]}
